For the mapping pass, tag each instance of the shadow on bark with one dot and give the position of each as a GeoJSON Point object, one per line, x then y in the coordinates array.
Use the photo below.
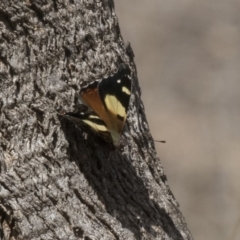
{"type": "Point", "coordinates": [116, 184]}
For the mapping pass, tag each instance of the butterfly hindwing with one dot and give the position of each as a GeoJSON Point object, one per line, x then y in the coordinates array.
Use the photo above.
{"type": "Point", "coordinates": [92, 120]}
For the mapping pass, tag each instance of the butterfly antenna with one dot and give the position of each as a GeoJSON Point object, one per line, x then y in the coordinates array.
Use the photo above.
{"type": "Point", "coordinates": [160, 141]}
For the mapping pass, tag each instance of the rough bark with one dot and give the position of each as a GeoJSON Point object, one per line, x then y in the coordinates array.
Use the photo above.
{"type": "Point", "coordinates": [58, 181]}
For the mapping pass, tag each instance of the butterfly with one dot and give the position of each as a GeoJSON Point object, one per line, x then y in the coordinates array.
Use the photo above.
{"type": "Point", "coordinates": [108, 101]}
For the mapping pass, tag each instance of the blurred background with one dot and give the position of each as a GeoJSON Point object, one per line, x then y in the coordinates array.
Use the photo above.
{"type": "Point", "coordinates": [188, 60]}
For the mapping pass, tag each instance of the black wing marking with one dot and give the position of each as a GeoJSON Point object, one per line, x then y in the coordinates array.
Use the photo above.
{"type": "Point", "coordinates": [119, 86]}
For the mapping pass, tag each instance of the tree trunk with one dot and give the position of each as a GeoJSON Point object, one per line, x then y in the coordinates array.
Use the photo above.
{"type": "Point", "coordinates": [59, 181]}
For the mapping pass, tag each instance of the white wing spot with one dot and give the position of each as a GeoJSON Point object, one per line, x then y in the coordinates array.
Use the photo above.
{"type": "Point", "coordinates": [93, 117]}
{"type": "Point", "coordinates": [119, 81]}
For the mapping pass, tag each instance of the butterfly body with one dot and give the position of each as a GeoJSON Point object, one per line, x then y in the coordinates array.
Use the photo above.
{"type": "Point", "coordinates": [108, 99]}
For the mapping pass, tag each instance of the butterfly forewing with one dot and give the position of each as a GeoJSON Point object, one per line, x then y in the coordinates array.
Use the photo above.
{"type": "Point", "coordinates": [115, 94]}
{"type": "Point", "coordinates": [91, 98]}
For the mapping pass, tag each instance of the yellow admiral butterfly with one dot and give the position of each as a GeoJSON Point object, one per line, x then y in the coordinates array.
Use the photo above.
{"type": "Point", "coordinates": [109, 100]}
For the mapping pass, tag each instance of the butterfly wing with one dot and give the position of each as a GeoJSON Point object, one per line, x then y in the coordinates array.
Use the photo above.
{"type": "Point", "coordinates": [114, 93]}
{"type": "Point", "coordinates": [109, 99]}
{"type": "Point", "coordinates": [92, 120]}
{"type": "Point", "coordinates": [90, 96]}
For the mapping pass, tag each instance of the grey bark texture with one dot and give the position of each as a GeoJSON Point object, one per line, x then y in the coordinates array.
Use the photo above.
{"type": "Point", "coordinates": [58, 181]}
